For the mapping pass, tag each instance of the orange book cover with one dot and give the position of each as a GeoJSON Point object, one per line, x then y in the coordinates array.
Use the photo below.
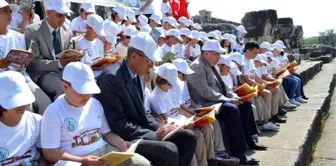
{"type": "Point", "coordinates": [205, 120]}
{"type": "Point", "coordinates": [261, 88]}
{"type": "Point", "coordinates": [108, 59]}
{"type": "Point", "coordinates": [275, 83]}
{"type": "Point", "coordinates": [279, 73]}
{"type": "Point", "coordinates": [249, 96]}
{"type": "Point", "coordinates": [292, 65]}
{"type": "Point", "coordinates": [244, 90]}
{"type": "Point", "coordinates": [203, 110]}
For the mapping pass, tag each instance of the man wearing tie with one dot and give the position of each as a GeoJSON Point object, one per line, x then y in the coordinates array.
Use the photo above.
{"type": "Point", "coordinates": [51, 36]}
{"type": "Point", "coordinates": [121, 96]}
{"type": "Point", "coordinates": [207, 88]}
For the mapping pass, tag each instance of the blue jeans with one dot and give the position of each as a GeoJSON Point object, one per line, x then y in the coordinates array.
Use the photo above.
{"type": "Point", "coordinates": [301, 89]}
{"type": "Point", "coordinates": [292, 86]}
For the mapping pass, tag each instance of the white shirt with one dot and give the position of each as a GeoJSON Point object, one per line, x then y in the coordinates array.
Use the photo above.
{"type": "Point", "coordinates": [20, 142]}
{"type": "Point", "coordinates": [146, 97]}
{"type": "Point", "coordinates": [165, 8]}
{"type": "Point", "coordinates": [166, 102]}
{"type": "Point", "coordinates": [282, 60]}
{"type": "Point", "coordinates": [17, 20]}
{"type": "Point", "coordinates": [179, 49]}
{"type": "Point", "coordinates": [195, 51]}
{"type": "Point", "coordinates": [75, 130]}
{"type": "Point", "coordinates": [186, 98]}
{"type": "Point", "coordinates": [78, 24]}
{"type": "Point", "coordinates": [249, 68]}
{"type": "Point", "coordinates": [165, 49]}
{"type": "Point", "coordinates": [10, 41]}
{"type": "Point", "coordinates": [95, 49]}
{"type": "Point", "coordinates": [227, 79]}
{"type": "Point", "coordinates": [150, 8]}
{"type": "Point", "coordinates": [121, 49]}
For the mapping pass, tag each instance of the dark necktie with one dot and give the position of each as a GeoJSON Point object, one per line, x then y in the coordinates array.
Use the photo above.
{"type": "Point", "coordinates": [137, 83]}
{"type": "Point", "coordinates": [56, 43]}
{"type": "Point", "coordinates": [220, 81]}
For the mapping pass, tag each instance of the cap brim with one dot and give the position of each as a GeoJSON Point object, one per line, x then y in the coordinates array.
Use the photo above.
{"type": "Point", "coordinates": [90, 10]}
{"type": "Point", "coordinates": [14, 7]}
{"type": "Point", "coordinates": [20, 99]}
{"type": "Point", "coordinates": [86, 88]}
{"type": "Point", "coordinates": [112, 40]}
{"type": "Point", "coordinates": [64, 10]}
{"type": "Point", "coordinates": [188, 71]}
{"type": "Point", "coordinates": [174, 82]}
{"type": "Point", "coordinates": [132, 19]}
{"type": "Point", "coordinates": [221, 50]}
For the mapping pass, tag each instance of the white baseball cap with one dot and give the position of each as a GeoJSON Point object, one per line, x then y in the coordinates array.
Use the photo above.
{"type": "Point", "coordinates": [146, 28]}
{"type": "Point", "coordinates": [197, 26]}
{"type": "Point", "coordinates": [145, 43]}
{"type": "Point", "coordinates": [233, 39]}
{"type": "Point", "coordinates": [88, 7]}
{"type": "Point", "coordinates": [260, 58]}
{"type": "Point", "coordinates": [281, 43]}
{"type": "Point", "coordinates": [175, 33]}
{"type": "Point", "coordinates": [238, 58]}
{"type": "Point", "coordinates": [267, 46]}
{"type": "Point", "coordinates": [14, 90]}
{"type": "Point", "coordinates": [186, 32]}
{"type": "Point", "coordinates": [143, 20]}
{"type": "Point", "coordinates": [203, 36]}
{"type": "Point", "coordinates": [122, 11]}
{"type": "Point", "coordinates": [190, 22]}
{"type": "Point", "coordinates": [213, 35]}
{"type": "Point", "coordinates": [277, 46]}
{"type": "Point", "coordinates": [171, 21]}
{"type": "Point", "coordinates": [130, 31]}
{"type": "Point", "coordinates": [14, 7]}
{"type": "Point", "coordinates": [226, 36]}
{"type": "Point", "coordinates": [81, 78]}
{"type": "Point", "coordinates": [225, 60]}
{"type": "Point", "coordinates": [182, 66]}
{"type": "Point", "coordinates": [184, 21]}
{"type": "Point", "coordinates": [96, 23]}
{"type": "Point", "coordinates": [130, 14]}
{"type": "Point", "coordinates": [213, 45]}
{"type": "Point", "coordinates": [156, 18]}
{"type": "Point", "coordinates": [111, 30]}
{"type": "Point", "coordinates": [168, 71]}
{"type": "Point", "coordinates": [60, 6]}
{"type": "Point", "coordinates": [269, 55]}
{"type": "Point", "coordinates": [196, 35]}
{"type": "Point", "coordinates": [241, 29]}
{"type": "Point", "coordinates": [219, 34]}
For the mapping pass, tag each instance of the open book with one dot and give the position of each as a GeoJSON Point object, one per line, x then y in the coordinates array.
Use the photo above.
{"type": "Point", "coordinates": [168, 56]}
{"type": "Point", "coordinates": [19, 59]}
{"type": "Point", "coordinates": [78, 53]}
{"type": "Point", "coordinates": [181, 126]}
{"type": "Point", "coordinates": [292, 65]}
{"type": "Point", "coordinates": [246, 92]}
{"type": "Point", "coordinates": [206, 119]}
{"type": "Point", "coordinates": [107, 59]}
{"type": "Point", "coordinates": [115, 158]}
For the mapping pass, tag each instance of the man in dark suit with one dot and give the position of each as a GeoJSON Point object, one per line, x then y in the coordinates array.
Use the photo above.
{"type": "Point", "coordinates": [122, 99]}
{"type": "Point", "coordinates": [51, 36]}
{"type": "Point", "coordinates": [207, 88]}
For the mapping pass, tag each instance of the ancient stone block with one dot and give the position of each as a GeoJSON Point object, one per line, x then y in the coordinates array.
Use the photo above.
{"type": "Point", "coordinates": [260, 23]}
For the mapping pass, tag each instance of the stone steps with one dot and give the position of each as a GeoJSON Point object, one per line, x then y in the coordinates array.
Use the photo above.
{"type": "Point", "coordinates": [292, 145]}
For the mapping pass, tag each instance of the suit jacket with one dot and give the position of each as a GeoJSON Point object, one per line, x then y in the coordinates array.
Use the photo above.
{"type": "Point", "coordinates": [43, 49]}
{"type": "Point", "coordinates": [123, 107]}
{"type": "Point", "coordinates": [204, 87]}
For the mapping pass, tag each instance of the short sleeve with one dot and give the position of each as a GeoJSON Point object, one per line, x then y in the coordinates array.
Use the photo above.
{"type": "Point", "coordinates": [51, 121]}
{"type": "Point", "coordinates": [157, 102]}
{"type": "Point", "coordinates": [246, 69]}
{"type": "Point", "coordinates": [105, 128]}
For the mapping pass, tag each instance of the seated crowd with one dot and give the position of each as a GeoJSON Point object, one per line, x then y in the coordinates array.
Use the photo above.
{"type": "Point", "coordinates": [65, 108]}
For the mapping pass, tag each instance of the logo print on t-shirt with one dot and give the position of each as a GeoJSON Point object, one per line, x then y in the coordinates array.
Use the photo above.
{"type": "Point", "coordinates": [3, 154]}
{"type": "Point", "coordinates": [89, 52]}
{"type": "Point", "coordinates": [2, 52]}
{"type": "Point", "coordinates": [70, 124]}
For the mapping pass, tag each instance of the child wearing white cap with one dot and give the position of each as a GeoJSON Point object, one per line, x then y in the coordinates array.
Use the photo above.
{"type": "Point", "coordinates": [193, 49]}
{"type": "Point", "coordinates": [130, 14]}
{"type": "Point", "coordinates": [228, 42]}
{"type": "Point", "coordinates": [240, 33]}
{"type": "Point", "coordinates": [24, 17]}
{"type": "Point", "coordinates": [78, 24]}
{"type": "Point", "coordinates": [179, 48]}
{"type": "Point", "coordinates": [20, 129]}
{"type": "Point", "coordinates": [80, 131]}
{"type": "Point", "coordinates": [122, 47]}
{"type": "Point", "coordinates": [173, 36]}
{"type": "Point", "coordinates": [167, 103]}
{"type": "Point", "coordinates": [90, 42]}
{"type": "Point", "coordinates": [118, 14]}
{"type": "Point", "coordinates": [154, 20]}
{"type": "Point", "coordinates": [169, 23]}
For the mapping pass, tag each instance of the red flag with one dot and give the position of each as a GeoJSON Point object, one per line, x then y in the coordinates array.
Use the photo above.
{"type": "Point", "coordinates": [179, 8]}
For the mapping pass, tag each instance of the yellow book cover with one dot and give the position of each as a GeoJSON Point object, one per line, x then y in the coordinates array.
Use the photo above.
{"type": "Point", "coordinates": [244, 90]}
{"type": "Point", "coordinates": [205, 120]}
{"type": "Point", "coordinates": [248, 96]}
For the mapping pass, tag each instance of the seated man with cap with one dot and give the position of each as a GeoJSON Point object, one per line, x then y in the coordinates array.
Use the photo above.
{"type": "Point", "coordinates": [11, 39]}
{"type": "Point", "coordinates": [78, 24]}
{"type": "Point", "coordinates": [20, 129]}
{"type": "Point", "coordinates": [51, 36]}
{"type": "Point", "coordinates": [80, 131]}
{"type": "Point", "coordinates": [91, 44]}
{"type": "Point", "coordinates": [207, 88]}
{"type": "Point", "coordinates": [122, 98]}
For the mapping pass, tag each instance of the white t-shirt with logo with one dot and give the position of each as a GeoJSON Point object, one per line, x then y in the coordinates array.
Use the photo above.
{"type": "Point", "coordinates": [195, 51]}
{"type": "Point", "coordinates": [179, 49]}
{"type": "Point", "coordinates": [150, 8]}
{"type": "Point", "coordinates": [18, 144]}
{"type": "Point", "coordinates": [78, 24]}
{"type": "Point", "coordinates": [282, 61]}
{"type": "Point", "coordinates": [165, 49]}
{"type": "Point", "coordinates": [75, 130]}
{"type": "Point", "coordinates": [121, 49]}
{"type": "Point", "coordinates": [17, 20]}
{"type": "Point", "coordinates": [13, 40]}
{"type": "Point", "coordinates": [186, 98]}
{"type": "Point", "coordinates": [167, 102]}
{"type": "Point", "coordinates": [273, 67]}
{"type": "Point", "coordinates": [95, 50]}
{"type": "Point", "coordinates": [249, 68]}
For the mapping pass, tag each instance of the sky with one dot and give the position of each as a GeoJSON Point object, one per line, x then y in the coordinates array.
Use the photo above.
{"type": "Point", "coordinates": [314, 15]}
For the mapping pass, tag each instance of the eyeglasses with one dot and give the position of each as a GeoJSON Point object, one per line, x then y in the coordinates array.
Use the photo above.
{"type": "Point", "coordinates": [144, 56]}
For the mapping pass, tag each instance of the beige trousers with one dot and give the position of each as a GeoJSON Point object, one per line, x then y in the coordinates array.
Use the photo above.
{"type": "Point", "coordinates": [283, 96]}
{"type": "Point", "coordinates": [136, 160]}
{"type": "Point", "coordinates": [204, 146]}
{"type": "Point", "coordinates": [271, 98]}
{"type": "Point", "coordinates": [263, 112]}
{"type": "Point", "coordinates": [218, 137]}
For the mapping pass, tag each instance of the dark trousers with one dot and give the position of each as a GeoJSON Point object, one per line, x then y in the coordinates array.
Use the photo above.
{"type": "Point", "coordinates": [176, 151]}
{"type": "Point", "coordinates": [51, 84]}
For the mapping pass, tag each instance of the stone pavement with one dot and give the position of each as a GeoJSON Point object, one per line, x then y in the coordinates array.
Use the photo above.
{"type": "Point", "coordinates": [292, 144]}
{"type": "Point", "coordinates": [325, 154]}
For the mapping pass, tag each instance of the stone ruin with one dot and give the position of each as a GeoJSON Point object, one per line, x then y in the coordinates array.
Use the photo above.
{"type": "Point", "coordinates": [264, 25]}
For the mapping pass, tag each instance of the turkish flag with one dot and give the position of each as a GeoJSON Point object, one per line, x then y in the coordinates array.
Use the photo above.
{"type": "Point", "coordinates": [179, 8]}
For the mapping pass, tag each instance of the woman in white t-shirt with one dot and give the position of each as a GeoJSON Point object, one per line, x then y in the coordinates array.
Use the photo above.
{"type": "Point", "coordinates": [20, 129]}
{"type": "Point", "coordinates": [166, 101]}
